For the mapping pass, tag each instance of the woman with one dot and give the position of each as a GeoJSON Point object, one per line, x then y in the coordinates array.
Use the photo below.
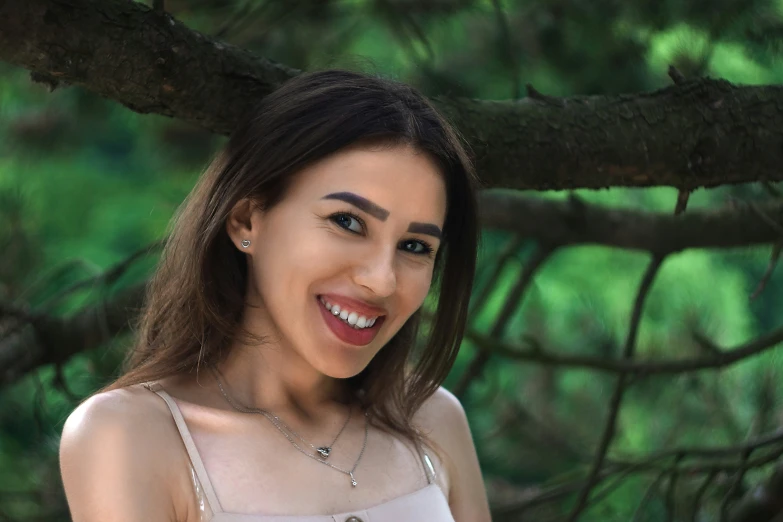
{"type": "Point", "coordinates": [274, 376]}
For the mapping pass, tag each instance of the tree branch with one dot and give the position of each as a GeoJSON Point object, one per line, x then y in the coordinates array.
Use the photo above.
{"type": "Point", "coordinates": [698, 133]}
{"type": "Point", "coordinates": [717, 360]}
{"type": "Point", "coordinates": [652, 463]}
{"type": "Point", "coordinates": [48, 340]}
{"type": "Point", "coordinates": [568, 223]}
{"type": "Point", "coordinates": [576, 222]}
{"type": "Point", "coordinates": [131, 53]}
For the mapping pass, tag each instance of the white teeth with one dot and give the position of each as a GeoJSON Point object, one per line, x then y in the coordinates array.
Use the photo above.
{"type": "Point", "coordinates": [352, 318]}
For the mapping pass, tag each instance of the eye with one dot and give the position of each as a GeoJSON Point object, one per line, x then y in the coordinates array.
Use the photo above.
{"type": "Point", "coordinates": [424, 248]}
{"type": "Point", "coordinates": [346, 219]}
{"type": "Point", "coordinates": [353, 223]}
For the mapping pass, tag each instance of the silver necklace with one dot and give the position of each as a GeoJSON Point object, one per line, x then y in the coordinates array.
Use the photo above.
{"type": "Point", "coordinates": [323, 451]}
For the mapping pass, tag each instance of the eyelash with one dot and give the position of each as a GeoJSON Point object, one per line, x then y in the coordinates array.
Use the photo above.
{"type": "Point", "coordinates": [427, 248]}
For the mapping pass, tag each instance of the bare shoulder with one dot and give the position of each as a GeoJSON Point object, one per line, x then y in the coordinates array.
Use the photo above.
{"type": "Point", "coordinates": [115, 456]}
{"type": "Point", "coordinates": [114, 405]}
{"type": "Point", "coordinates": [443, 419]}
{"type": "Point", "coordinates": [125, 416]}
{"type": "Point", "coordinates": [442, 404]}
{"type": "Point", "coordinates": [440, 415]}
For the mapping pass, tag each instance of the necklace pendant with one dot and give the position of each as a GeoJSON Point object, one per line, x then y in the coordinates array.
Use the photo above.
{"type": "Point", "coordinates": [353, 480]}
{"type": "Point", "coordinates": [324, 451]}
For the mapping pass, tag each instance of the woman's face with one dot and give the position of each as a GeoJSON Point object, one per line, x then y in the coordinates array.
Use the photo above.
{"type": "Point", "coordinates": [347, 256]}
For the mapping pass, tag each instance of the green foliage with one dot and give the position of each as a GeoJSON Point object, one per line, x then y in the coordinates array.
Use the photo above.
{"type": "Point", "coordinates": [84, 183]}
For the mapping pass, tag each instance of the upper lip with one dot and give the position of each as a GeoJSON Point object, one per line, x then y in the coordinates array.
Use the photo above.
{"type": "Point", "coordinates": [354, 305]}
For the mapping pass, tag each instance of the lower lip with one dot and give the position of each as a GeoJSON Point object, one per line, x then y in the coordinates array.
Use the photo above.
{"type": "Point", "coordinates": [346, 332]}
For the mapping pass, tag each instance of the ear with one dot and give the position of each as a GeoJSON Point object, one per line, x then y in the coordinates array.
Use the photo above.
{"type": "Point", "coordinates": [239, 224]}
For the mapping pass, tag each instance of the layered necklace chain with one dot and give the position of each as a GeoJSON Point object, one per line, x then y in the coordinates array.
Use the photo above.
{"type": "Point", "coordinates": [322, 452]}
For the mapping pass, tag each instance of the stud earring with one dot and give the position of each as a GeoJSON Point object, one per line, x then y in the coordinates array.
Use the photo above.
{"type": "Point", "coordinates": [245, 243]}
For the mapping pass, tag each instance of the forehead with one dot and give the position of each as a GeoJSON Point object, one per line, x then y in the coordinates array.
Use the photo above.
{"type": "Point", "coordinates": [394, 177]}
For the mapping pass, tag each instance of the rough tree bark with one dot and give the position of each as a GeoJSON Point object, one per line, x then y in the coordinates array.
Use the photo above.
{"type": "Point", "coordinates": [699, 133]}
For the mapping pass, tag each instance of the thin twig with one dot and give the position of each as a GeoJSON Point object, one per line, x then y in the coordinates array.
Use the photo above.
{"type": "Point", "coordinates": [648, 494]}
{"type": "Point", "coordinates": [677, 77]}
{"type": "Point", "coordinates": [239, 15]}
{"type": "Point", "coordinates": [700, 493]}
{"type": "Point", "coordinates": [619, 390]}
{"type": "Point", "coordinates": [671, 488]}
{"type": "Point", "coordinates": [762, 213]}
{"type": "Point", "coordinates": [507, 252]}
{"type": "Point", "coordinates": [649, 464]}
{"type": "Point", "coordinates": [735, 484]}
{"type": "Point", "coordinates": [15, 312]}
{"type": "Point", "coordinates": [505, 37]}
{"type": "Point", "coordinates": [408, 23]}
{"type": "Point", "coordinates": [107, 277]}
{"type": "Point", "coordinates": [617, 481]}
{"type": "Point", "coordinates": [772, 189]}
{"type": "Point", "coordinates": [510, 305]}
{"type": "Point", "coordinates": [577, 222]}
{"type": "Point", "coordinates": [59, 382]}
{"type": "Point", "coordinates": [535, 94]}
{"type": "Point", "coordinates": [717, 360]}
{"type": "Point", "coordinates": [754, 444]}
{"type": "Point", "coordinates": [731, 465]}
{"type": "Point", "coordinates": [682, 201]}
{"type": "Point", "coordinates": [773, 261]}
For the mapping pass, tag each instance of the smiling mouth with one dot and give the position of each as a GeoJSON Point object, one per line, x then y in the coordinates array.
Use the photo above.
{"type": "Point", "coordinates": [353, 319]}
{"type": "Point", "coordinates": [340, 324]}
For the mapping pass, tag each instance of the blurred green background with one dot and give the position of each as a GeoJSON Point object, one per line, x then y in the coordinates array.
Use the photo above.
{"type": "Point", "coordinates": [85, 182]}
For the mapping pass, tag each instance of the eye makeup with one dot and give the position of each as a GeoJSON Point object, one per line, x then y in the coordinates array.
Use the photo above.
{"type": "Point", "coordinates": [426, 248]}
{"type": "Point", "coordinates": [381, 214]}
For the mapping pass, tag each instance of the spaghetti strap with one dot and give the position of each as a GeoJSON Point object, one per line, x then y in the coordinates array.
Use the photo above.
{"type": "Point", "coordinates": [190, 446]}
{"type": "Point", "coordinates": [429, 469]}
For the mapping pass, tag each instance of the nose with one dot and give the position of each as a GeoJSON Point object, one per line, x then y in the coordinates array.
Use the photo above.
{"type": "Point", "coordinates": [376, 271]}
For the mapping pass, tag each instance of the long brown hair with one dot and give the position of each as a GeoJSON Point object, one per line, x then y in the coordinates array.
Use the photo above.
{"type": "Point", "coordinates": [194, 301]}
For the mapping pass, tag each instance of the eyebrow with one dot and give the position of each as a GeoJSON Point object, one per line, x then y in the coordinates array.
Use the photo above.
{"type": "Point", "coordinates": [380, 213]}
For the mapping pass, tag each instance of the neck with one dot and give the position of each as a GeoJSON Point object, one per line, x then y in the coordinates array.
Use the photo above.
{"type": "Point", "coordinates": [277, 380]}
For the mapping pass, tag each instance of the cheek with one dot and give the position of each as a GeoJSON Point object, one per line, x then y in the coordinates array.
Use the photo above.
{"type": "Point", "coordinates": [286, 262]}
{"type": "Point", "coordinates": [418, 286]}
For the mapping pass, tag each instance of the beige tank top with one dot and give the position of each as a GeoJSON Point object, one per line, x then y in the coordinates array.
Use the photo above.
{"type": "Point", "coordinates": [427, 504]}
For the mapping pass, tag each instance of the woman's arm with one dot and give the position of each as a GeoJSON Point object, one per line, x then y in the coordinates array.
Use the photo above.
{"type": "Point", "coordinates": [113, 461]}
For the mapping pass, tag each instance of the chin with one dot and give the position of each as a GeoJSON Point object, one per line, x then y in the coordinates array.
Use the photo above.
{"type": "Point", "coordinates": [344, 372]}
